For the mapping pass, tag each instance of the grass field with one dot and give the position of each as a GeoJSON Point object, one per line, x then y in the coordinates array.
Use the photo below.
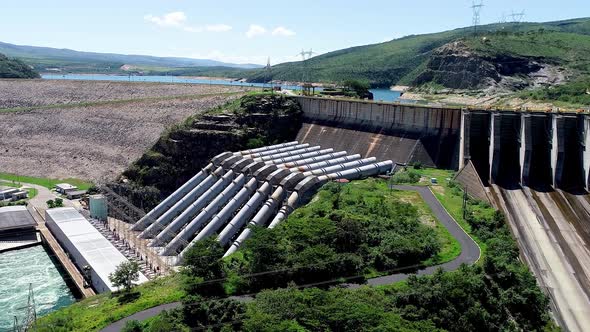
{"type": "Point", "coordinates": [450, 196]}
{"type": "Point", "coordinates": [101, 310]}
{"type": "Point", "coordinates": [15, 180]}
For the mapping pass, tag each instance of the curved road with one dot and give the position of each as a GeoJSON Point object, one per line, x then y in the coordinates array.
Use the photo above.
{"type": "Point", "coordinates": [470, 253]}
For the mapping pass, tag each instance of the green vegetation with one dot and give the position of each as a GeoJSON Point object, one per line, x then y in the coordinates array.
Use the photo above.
{"type": "Point", "coordinates": [575, 93]}
{"type": "Point", "coordinates": [498, 295]}
{"type": "Point", "coordinates": [401, 60]}
{"type": "Point", "coordinates": [14, 68]}
{"type": "Point", "coordinates": [352, 230]}
{"type": "Point", "coordinates": [48, 183]}
{"type": "Point", "coordinates": [125, 274]}
{"type": "Point", "coordinates": [99, 311]}
{"type": "Point", "coordinates": [450, 195]}
{"type": "Point", "coordinates": [55, 203]}
{"type": "Point", "coordinates": [346, 229]}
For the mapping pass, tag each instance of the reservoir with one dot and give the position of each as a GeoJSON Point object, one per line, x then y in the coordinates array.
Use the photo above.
{"type": "Point", "coordinates": [379, 94]}
{"type": "Point", "coordinates": [18, 269]}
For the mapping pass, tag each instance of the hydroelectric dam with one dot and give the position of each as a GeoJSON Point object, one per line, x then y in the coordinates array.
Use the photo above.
{"type": "Point", "coordinates": [534, 166]}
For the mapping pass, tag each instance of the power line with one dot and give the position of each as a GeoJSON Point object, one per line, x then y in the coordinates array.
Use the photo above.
{"type": "Point", "coordinates": [476, 6]}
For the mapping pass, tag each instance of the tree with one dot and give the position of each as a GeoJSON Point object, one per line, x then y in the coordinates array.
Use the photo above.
{"type": "Point", "coordinates": [59, 202]}
{"type": "Point", "coordinates": [125, 274]}
{"type": "Point", "coordinates": [50, 204]}
{"type": "Point", "coordinates": [361, 88]}
{"type": "Point", "coordinates": [203, 268]}
{"type": "Point", "coordinates": [133, 326]}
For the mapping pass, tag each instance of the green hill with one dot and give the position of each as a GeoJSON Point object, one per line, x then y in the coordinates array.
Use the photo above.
{"type": "Point", "coordinates": [14, 68]}
{"type": "Point", "coordinates": [401, 61]}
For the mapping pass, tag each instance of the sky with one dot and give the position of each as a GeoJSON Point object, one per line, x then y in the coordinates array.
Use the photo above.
{"type": "Point", "coordinates": [248, 31]}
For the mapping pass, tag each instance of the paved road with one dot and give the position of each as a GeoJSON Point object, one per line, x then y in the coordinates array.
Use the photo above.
{"type": "Point", "coordinates": [43, 195]}
{"type": "Point", "coordinates": [470, 253]}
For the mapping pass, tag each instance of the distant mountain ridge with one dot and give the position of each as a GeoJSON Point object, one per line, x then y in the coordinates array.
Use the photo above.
{"type": "Point", "coordinates": [44, 58]}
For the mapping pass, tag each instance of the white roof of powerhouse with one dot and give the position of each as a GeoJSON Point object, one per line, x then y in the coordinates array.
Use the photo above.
{"type": "Point", "coordinates": [100, 254]}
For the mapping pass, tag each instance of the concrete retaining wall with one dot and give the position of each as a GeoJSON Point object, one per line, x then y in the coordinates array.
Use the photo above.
{"type": "Point", "coordinates": [403, 133]}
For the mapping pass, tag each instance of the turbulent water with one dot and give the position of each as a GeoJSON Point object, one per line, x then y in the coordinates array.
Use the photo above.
{"type": "Point", "coordinates": [18, 269]}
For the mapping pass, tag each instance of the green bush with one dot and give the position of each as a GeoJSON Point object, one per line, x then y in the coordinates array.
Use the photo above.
{"type": "Point", "coordinates": [405, 177]}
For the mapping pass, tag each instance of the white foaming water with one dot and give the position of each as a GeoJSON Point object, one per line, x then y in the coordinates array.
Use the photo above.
{"type": "Point", "coordinates": [18, 269]}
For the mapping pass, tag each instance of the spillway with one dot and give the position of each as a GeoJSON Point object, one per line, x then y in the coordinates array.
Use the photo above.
{"type": "Point", "coordinates": [241, 189]}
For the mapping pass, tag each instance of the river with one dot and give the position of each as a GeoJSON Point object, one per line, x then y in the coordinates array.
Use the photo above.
{"type": "Point", "coordinates": [18, 269]}
{"type": "Point", "coordinates": [379, 94]}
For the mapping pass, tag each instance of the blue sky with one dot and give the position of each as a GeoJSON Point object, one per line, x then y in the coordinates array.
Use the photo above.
{"type": "Point", "coordinates": [242, 32]}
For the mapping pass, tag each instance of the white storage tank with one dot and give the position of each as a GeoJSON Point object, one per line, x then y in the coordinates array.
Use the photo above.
{"type": "Point", "coordinates": [98, 207]}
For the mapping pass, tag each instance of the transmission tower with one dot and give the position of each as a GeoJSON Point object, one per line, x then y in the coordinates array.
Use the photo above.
{"type": "Point", "coordinates": [269, 73]}
{"type": "Point", "coordinates": [476, 6]}
{"type": "Point", "coordinates": [517, 17]}
{"type": "Point", "coordinates": [305, 56]}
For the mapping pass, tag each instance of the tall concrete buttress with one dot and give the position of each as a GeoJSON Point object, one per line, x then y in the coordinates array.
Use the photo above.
{"type": "Point", "coordinates": [464, 138]}
{"type": "Point", "coordinates": [554, 149]}
{"type": "Point", "coordinates": [495, 131]}
{"type": "Point", "coordinates": [586, 155]}
{"type": "Point", "coordinates": [526, 147]}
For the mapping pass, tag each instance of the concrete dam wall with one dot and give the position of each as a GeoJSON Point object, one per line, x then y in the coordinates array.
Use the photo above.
{"type": "Point", "coordinates": [402, 133]}
{"type": "Point", "coordinates": [539, 150]}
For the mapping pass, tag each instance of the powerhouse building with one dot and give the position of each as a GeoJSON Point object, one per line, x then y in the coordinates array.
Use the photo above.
{"type": "Point", "coordinates": [86, 246]}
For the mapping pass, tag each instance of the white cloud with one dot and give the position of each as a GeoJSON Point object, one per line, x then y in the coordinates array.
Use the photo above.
{"type": "Point", "coordinates": [173, 19]}
{"type": "Point", "coordinates": [282, 31]}
{"type": "Point", "coordinates": [178, 20]}
{"type": "Point", "coordinates": [218, 27]}
{"type": "Point", "coordinates": [255, 30]}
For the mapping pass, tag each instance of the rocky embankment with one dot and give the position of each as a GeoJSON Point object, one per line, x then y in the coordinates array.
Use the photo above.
{"type": "Point", "coordinates": [457, 66]}
{"type": "Point", "coordinates": [249, 122]}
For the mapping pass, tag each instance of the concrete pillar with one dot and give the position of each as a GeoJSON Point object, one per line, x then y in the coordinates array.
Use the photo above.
{"type": "Point", "coordinates": [526, 147]}
{"type": "Point", "coordinates": [586, 151]}
{"type": "Point", "coordinates": [464, 139]}
{"type": "Point", "coordinates": [495, 131]}
{"type": "Point", "coordinates": [557, 149]}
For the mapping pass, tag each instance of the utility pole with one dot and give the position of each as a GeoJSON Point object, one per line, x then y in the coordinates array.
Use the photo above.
{"type": "Point", "coordinates": [476, 6]}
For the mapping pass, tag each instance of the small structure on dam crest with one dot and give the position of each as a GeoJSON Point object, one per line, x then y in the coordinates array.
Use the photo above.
{"type": "Point", "coordinates": [253, 187]}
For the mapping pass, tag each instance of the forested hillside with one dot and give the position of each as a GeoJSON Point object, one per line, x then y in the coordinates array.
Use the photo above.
{"type": "Point", "coordinates": [14, 68]}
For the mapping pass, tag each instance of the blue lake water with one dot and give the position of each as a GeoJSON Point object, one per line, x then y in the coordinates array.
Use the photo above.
{"type": "Point", "coordinates": [18, 269]}
{"type": "Point", "coordinates": [379, 94]}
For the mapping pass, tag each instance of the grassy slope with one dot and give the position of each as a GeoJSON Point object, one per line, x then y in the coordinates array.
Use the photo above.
{"type": "Point", "coordinates": [48, 183]}
{"type": "Point", "coordinates": [451, 197]}
{"type": "Point", "coordinates": [99, 311]}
